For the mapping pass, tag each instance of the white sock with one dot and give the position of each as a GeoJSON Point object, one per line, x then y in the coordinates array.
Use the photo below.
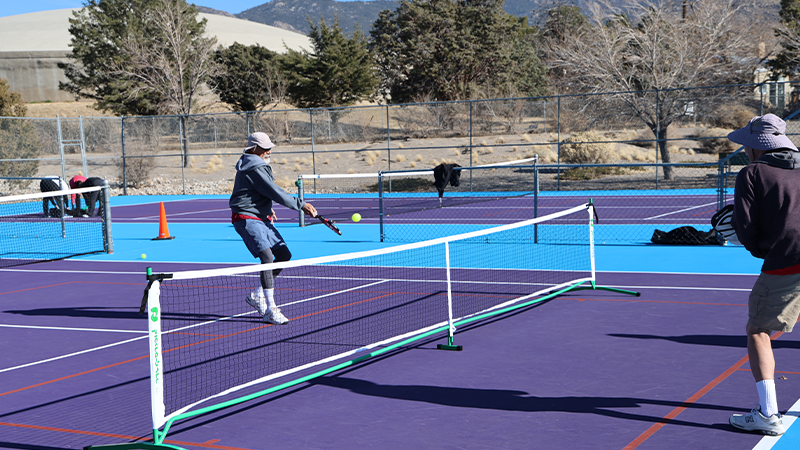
{"type": "Point", "coordinates": [767, 397]}
{"type": "Point", "coordinates": [259, 292]}
{"type": "Point", "coordinates": [270, 297]}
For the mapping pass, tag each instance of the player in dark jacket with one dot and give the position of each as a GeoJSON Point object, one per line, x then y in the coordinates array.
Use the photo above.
{"type": "Point", "coordinates": [254, 191]}
{"type": "Point", "coordinates": [766, 217]}
{"type": "Point", "coordinates": [79, 181]}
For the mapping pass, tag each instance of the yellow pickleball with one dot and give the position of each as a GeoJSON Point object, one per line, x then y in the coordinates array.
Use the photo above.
{"type": "Point", "coordinates": [356, 217]}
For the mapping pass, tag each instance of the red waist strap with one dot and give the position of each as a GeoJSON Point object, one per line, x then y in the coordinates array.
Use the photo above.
{"type": "Point", "coordinates": [791, 270]}
{"type": "Point", "coordinates": [236, 217]}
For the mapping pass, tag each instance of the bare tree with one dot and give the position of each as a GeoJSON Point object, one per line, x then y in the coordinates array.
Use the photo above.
{"type": "Point", "coordinates": [651, 52]}
{"type": "Point", "coordinates": [175, 63]}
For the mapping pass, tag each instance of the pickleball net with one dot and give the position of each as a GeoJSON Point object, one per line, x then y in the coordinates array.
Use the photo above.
{"type": "Point", "coordinates": [41, 227]}
{"type": "Point", "coordinates": [210, 350]}
{"type": "Point", "coordinates": [399, 194]}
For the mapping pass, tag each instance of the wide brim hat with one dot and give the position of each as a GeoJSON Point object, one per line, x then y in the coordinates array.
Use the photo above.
{"type": "Point", "coordinates": [259, 139]}
{"type": "Point", "coordinates": [765, 133]}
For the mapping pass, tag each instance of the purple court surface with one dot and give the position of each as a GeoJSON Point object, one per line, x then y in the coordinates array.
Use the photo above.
{"type": "Point", "coordinates": [587, 370]}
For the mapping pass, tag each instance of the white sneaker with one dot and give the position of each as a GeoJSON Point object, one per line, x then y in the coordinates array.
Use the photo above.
{"type": "Point", "coordinates": [275, 317]}
{"type": "Point", "coordinates": [257, 302]}
{"type": "Point", "coordinates": [755, 421]}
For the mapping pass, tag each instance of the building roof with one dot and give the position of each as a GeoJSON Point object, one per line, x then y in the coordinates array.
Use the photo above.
{"type": "Point", "coordinates": [49, 31]}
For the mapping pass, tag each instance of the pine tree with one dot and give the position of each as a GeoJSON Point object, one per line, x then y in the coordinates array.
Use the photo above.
{"type": "Point", "coordinates": [787, 61]}
{"type": "Point", "coordinates": [338, 72]}
{"type": "Point", "coordinates": [250, 78]}
{"type": "Point", "coordinates": [453, 50]}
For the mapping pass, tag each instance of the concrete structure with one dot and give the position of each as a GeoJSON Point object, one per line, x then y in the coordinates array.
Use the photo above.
{"type": "Point", "coordinates": [31, 46]}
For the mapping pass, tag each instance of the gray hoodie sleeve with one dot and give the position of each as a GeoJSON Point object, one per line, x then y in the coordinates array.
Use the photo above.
{"type": "Point", "coordinates": [264, 184]}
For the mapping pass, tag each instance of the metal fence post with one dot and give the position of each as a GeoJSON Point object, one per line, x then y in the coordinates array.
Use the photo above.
{"type": "Point", "coordinates": [124, 160]}
{"type": "Point", "coordinates": [183, 153]}
{"type": "Point", "coordinates": [470, 143]}
{"type": "Point", "coordinates": [558, 145]}
{"type": "Point", "coordinates": [61, 149]}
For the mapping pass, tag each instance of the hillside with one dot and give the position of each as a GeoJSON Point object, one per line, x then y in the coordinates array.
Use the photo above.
{"type": "Point", "coordinates": [293, 15]}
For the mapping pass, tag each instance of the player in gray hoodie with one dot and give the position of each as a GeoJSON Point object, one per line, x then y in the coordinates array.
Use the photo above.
{"type": "Point", "coordinates": [254, 191]}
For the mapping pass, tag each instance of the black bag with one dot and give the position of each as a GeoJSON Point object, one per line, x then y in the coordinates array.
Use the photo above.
{"type": "Point", "coordinates": [686, 236]}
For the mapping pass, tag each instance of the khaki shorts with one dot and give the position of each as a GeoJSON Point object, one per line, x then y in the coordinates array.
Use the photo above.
{"type": "Point", "coordinates": [775, 302]}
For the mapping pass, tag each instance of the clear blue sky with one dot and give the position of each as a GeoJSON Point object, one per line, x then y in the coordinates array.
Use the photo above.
{"type": "Point", "coordinates": [14, 7]}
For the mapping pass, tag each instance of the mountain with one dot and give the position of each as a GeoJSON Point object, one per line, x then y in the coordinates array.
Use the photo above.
{"type": "Point", "coordinates": [293, 15]}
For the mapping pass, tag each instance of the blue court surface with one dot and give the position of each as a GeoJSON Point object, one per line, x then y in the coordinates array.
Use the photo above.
{"type": "Point", "coordinates": [589, 369]}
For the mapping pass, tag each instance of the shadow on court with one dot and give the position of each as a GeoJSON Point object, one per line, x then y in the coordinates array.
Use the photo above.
{"type": "Point", "coordinates": [710, 340]}
{"type": "Point", "coordinates": [510, 400]}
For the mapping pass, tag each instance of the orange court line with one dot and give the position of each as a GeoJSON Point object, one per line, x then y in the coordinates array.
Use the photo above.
{"type": "Point", "coordinates": [37, 287]}
{"type": "Point", "coordinates": [74, 375]}
{"type": "Point", "coordinates": [696, 396]}
{"type": "Point", "coordinates": [207, 444]}
{"type": "Point", "coordinates": [70, 282]}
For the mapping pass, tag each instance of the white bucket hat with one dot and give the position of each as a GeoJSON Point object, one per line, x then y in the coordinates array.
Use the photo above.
{"type": "Point", "coordinates": [259, 139]}
{"type": "Point", "coordinates": [765, 133]}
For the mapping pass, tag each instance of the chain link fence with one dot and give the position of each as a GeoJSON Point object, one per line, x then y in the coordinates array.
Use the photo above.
{"type": "Point", "coordinates": [670, 141]}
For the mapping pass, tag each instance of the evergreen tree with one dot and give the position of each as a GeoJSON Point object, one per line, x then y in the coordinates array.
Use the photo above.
{"type": "Point", "coordinates": [454, 49]}
{"type": "Point", "coordinates": [787, 61]}
{"type": "Point", "coordinates": [120, 47]}
{"type": "Point", "coordinates": [338, 72]}
{"type": "Point", "coordinates": [250, 77]}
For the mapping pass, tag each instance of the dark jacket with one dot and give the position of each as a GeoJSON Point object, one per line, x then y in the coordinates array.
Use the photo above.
{"type": "Point", "coordinates": [254, 189]}
{"type": "Point", "coordinates": [766, 212]}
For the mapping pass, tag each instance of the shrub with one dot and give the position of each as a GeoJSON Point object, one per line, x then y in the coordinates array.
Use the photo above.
{"type": "Point", "coordinates": [715, 141]}
{"type": "Point", "coordinates": [584, 148]}
{"type": "Point", "coordinates": [18, 138]}
{"type": "Point", "coordinates": [733, 116]}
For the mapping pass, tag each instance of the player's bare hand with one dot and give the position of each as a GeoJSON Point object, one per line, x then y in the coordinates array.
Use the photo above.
{"type": "Point", "coordinates": [309, 209]}
{"type": "Point", "coordinates": [272, 216]}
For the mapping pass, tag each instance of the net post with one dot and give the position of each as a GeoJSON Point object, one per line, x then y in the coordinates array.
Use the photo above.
{"type": "Point", "coordinates": [108, 239]}
{"type": "Point", "coordinates": [299, 183]}
{"type": "Point", "coordinates": [590, 209]}
{"type": "Point", "coordinates": [157, 407]}
{"type": "Point", "coordinates": [536, 197]}
{"type": "Point", "coordinates": [62, 212]}
{"type": "Point", "coordinates": [380, 204]}
{"type": "Point", "coordinates": [451, 328]}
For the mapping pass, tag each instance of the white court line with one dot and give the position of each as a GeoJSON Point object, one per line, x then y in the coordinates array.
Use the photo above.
{"type": "Point", "coordinates": [82, 352]}
{"type": "Point", "coordinates": [791, 415]}
{"type": "Point", "coordinates": [172, 215]}
{"type": "Point", "coordinates": [680, 211]}
{"type": "Point", "coordinates": [35, 327]}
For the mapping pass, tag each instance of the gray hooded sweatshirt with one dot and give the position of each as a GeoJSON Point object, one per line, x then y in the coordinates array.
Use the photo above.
{"type": "Point", "coordinates": [254, 189]}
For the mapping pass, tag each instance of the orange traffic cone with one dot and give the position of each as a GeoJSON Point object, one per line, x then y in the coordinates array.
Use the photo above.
{"type": "Point", "coordinates": [163, 230]}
